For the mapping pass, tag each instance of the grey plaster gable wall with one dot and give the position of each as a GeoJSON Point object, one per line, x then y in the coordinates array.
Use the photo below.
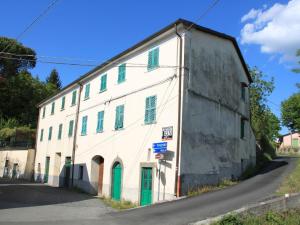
{"type": "Point", "coordinates": [212, 149]}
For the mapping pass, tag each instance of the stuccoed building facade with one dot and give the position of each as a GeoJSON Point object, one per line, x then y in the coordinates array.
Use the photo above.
{"type": "Point", "coordinates": [186, 86]}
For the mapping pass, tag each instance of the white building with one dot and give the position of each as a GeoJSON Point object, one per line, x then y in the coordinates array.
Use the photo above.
{"type": "Point", "coordinates": [185, 80]}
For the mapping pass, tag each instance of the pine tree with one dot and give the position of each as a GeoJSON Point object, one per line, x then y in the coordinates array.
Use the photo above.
{"type": "Point", "coordinates": [54, 79]}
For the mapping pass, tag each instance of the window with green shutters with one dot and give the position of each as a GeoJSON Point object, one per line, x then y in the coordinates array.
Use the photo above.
{"type": "Point", "coordinates": [122, 73]}
{"type": "Point", "coordinates": [100, 121]}
{"type": "Point", "coordinates": [71, 125]}
{"type": "Point", "coordinates": [63, 101]}
{"type": "Point", "coordinates": [243, 91]}
{"type": "Point", "coordinates": [50, 133]}
{"type": "Point", "coordinates": [295, 142]}
{"type": "Point", "coordinates": [52, 108]}
{"type": "Point", "coordinates": [119, 122]}
{"type": "Point", "coordinates": [74, 95]}
{"type": "Point", "coordinates": [153, 59]}
{"type": "Point", "coordinates": [242, 128]}
{"type": "Point", "coordinates": [84, 125]}
{"type": "Point", "coordinates": [103, 83]}
{"type": "Point", "coordinates": [44, 111]}
{"type": "Point", "coordinates": [59, 131]}
{"type": "Point", "coordinates": [87, 91]}
{"type": "Point", "coordinates": [150, 110]}
{"type": "Point", "coordinates": [42, 135]}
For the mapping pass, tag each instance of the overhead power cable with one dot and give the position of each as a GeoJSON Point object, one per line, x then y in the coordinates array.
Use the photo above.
{"type": "Point", "coordinates": [44, 12]}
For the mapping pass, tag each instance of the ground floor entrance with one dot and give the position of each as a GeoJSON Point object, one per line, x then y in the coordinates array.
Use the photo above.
{"type": "Point", "coordinates": [47, 165]}
{"type": "Point", "coordinates": [146, 186]}
{"type": "Point", "coordinates": [116, 181]}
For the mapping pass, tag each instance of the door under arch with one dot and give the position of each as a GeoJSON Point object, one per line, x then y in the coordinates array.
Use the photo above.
{"type": "Point", "coordinates": [97, 172]}
{"type": "Point", "coordinates": [116, 181]}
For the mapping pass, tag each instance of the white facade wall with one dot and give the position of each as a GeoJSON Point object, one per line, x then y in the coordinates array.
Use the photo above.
{"type": "Point", "coordinates": [130, 146]}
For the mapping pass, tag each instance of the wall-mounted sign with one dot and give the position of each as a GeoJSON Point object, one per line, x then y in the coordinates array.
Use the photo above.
{"type": "Point", "coordinates": [160, 147]}
{"type": "Point", "coordinates": [159, 156]}
{"type": "Point", "coordinates": [167, 133]}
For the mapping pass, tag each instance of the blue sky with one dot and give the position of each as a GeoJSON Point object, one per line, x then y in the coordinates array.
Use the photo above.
{"type": "Point", "coordinates": [98, 30]}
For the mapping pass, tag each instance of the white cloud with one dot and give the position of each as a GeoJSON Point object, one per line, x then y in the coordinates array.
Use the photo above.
{"type": "Point", "coordinates": [276, 29]}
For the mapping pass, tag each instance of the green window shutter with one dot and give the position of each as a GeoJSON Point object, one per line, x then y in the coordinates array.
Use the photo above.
{"type": "Point", "coordinates": [103, 82]}
{"type": "Point", "coordinates": [52, 108]}
{"type": "Point", "coordinates": [44, 111]}
{"type": "Point", "coordinates": [150, 66]}
{"type": "Point", "coordinates": [63, 100]}
{"type": "Point", "coordinates": [295, 142]}
{"type": "Point", "coordinates": [242, 128]}
{"type": "Point", "coordinates": [50, 133]}
{"type": "Point", "coordinates": [87, 91]}
{"type": "Point", "coordinates": [74, 94]}
{"type": "Point", "coordinates": [84, 125]}
{"type": "Point", "coordinates": [42, 135]}
{"type": "Point", "coordinates": [150, 109]}
{"type": "Point", "coordinates": [71, 125]}
{"type": "Point", "coordinates": [153, 59]}
{"type": "Point", "coordinates": [100, 121]}
{"type": "Point", "coordinates": [59, 131]}
{"type": "Point", "coordinates": [122, 73]}
{"type": "Point", "coordinates": [119, 122]}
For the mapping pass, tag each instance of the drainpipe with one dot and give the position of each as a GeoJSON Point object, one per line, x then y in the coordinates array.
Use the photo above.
{"type": "Point", "coordinates": [75, 133]}
{"type": "Point", "coordinates": [177, 174]}
{"type": "Point", "coordinates": [36, 141]}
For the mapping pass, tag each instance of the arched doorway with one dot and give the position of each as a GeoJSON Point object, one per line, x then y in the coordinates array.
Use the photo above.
{"type": "Point", "coordinates": [116, 181]}
{"type": "Point", "coordinates": [97, 173]}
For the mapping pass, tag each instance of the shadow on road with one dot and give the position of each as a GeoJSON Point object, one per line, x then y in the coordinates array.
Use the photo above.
{"type": "Point", "coordinates": [16, 194]}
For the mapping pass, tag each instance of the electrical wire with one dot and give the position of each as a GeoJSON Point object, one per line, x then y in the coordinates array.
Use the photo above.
{"type": "Point", "coordinates": [44, 12]}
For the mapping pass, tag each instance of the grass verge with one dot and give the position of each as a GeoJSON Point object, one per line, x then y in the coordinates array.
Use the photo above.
{"type": "Point", "coordinates": [291, 184]}
{"type": "Point", "coordinates": [123, 204]}
{"type": "Point", "coordinates": [290, 217]}
{"type": "Point", "coordinates": [207, 188]}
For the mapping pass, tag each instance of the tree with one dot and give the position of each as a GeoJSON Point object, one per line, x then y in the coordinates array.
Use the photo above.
{"type": "Point", "coordinates": [290, 112]}
{"type": "Point", "coordinates": [297, 70]}
{"type": "Point", "coordinates": [54, 79]}
{"type": "Point", "coordinates": [264, 123]}
{"type": "Point", "coordinates": [13, 60]}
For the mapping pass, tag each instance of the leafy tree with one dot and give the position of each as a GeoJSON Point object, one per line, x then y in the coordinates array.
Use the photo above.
{"type": "Point", "coordinates": [12, 62]}
{"type": "Point", "coordinates": [54, 79]}
{"type": "Point", "coordinates": [297, 70]}
{"type": "Point", "coordinates": [290, 112]}
{"type": "Point", "coordinates": [264, 123]}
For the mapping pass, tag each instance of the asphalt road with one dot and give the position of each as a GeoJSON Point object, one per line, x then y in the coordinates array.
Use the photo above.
{"type": "Point", "coordinates": [30, 207]}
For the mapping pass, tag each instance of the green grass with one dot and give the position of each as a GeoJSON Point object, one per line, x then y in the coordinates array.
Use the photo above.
{"type": "Point", "coordinates": [291, 184]}
{"type": "Point", "coordinates": [207, 188]}
{"type": "Point", "coordinates": [123, 204]}
{"type": "Point", "coordinates": [290, 217]}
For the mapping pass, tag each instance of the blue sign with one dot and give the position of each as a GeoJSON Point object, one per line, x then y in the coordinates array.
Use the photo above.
{"type": "Point", "coordinates": [160, 147]}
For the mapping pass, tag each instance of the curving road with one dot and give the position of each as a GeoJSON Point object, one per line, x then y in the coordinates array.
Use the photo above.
{"type": "Point", "coordinates": [182, 211]}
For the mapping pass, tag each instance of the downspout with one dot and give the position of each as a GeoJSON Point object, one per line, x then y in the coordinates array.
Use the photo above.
{"type": "Point", "coordinates": [177, 174]}
{"type": "Point", "coordinates": [36, 141]}
{"type": "Point", "coordinates": [75, 133]}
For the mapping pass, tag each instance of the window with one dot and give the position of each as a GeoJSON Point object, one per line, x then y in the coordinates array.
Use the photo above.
{"type": "Point", "coordinates": [100, 121]}
{"type": "Point", "coordinates": [71, 125]}
{"type": "Point", "coordinates": [243, 91]}
{"type": "Point", "coordinates": [119, 117]}
{"type": "Point", "coordinates": [63, 100]}
{"type": "Point", "coordinates": [150, 110]}
{"type": "Point", "coordinates": [153, 59]}
{"type": "Point", "coordinates": [103, 83]}
{"type": "Point", "coordinates": [59, 131]}
{"type": "Point", "coordinates": [74, 94]}
{"type": "Point", "coordinates": [50, 133]}
{"type": "Point", "coordinates": [242, 128]}
{"type": "Point", "coordinates": [87, 91]}
{"type": "Point", "coordinates": [52, 108]}
{"type": "Point", "coordinates": [84, 125]}
{"type": "Point", "coordinates": [44, 111]}
{"type": "Point", "coordinates": [42, 135]}
{"type": "Point", "coordinates": [122, 73]}
{"type": "Point", "coordinates": [80, 174]}
{"type": "Point", "coordinates": [295, 142]}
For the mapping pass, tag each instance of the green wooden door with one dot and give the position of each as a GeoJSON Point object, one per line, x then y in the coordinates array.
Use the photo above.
{"type": "Point", "coordinates": [68, 164]}
{"type": "Point", "coordinates": [146, 186]}
{"type": "Point", "coordinates": [116, 182]}
{"type": "Point", "coordinates": [46, 175]}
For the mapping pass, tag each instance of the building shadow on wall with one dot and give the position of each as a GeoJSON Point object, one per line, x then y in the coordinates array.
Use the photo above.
{"type": "Point", "coordinates": [20, 193]}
